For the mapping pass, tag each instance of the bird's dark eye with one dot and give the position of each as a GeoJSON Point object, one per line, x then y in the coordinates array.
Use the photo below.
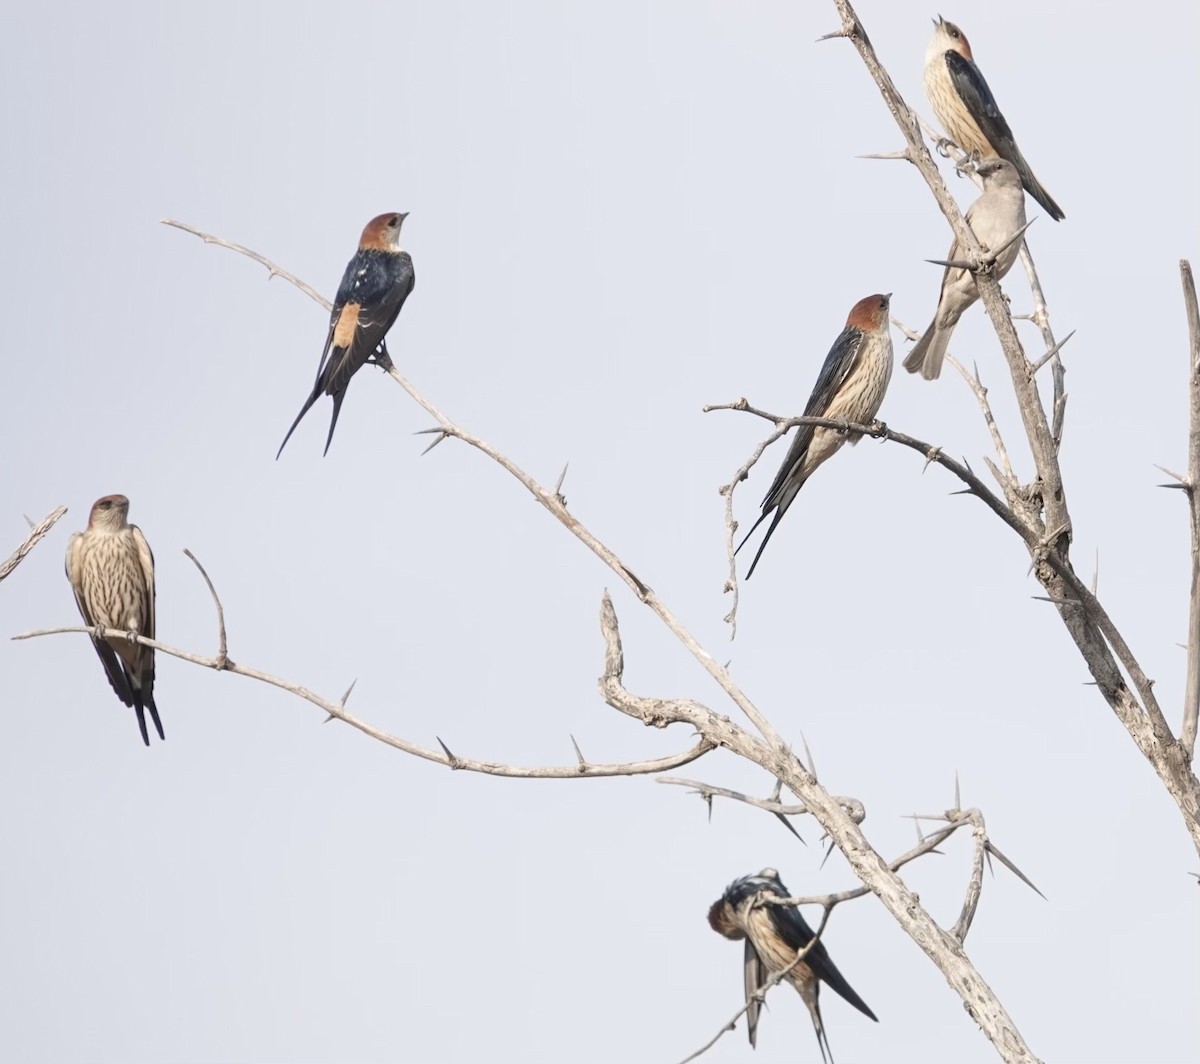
{"type": "Point", "coordinates": [106, 506]}
{"type": "Point", "coordinates": [393, 221]}
{"type": "Point", "coordinates": [955, 34]}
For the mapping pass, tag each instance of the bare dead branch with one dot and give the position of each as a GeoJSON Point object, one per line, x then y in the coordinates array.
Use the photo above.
{"type": "Point", "coordinates": [854, 809]}
{"type": "Point", "coordinates": [975, 882]}
{"type": "Point", "coordinates": [262, 260]}
{"type": "Point", "coordinates": [337, 710]}
{"type": "Point", "coordinates": [36, 533]}
{"type": "Point", "coordinates": [878, 430]}
{"type": "Point", "coordinates": [222, 642]}
{"type": "Point", "coordinates": [1041, 318]}
{"type": "Point", "coordinates": [1103, 649]}
{"type": "Point", "coordinates": [731, 525]}
{"type": "Point", "coordinates": [982, 848]}
{"type": "Point", "coordinates": [769, 752]}
{"type": "Point", "coordinates": [1191, 701]}
{"type": "Point", "coordinates": [547, 498]}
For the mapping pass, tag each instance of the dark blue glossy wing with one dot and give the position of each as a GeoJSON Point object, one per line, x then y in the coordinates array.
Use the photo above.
{"type": "Point", "coordinates": [838, 364]}
{"type": "Point", "coordinates": [975, 94]}
{"type": "Point", "coordinates": [794, 930]}
{"type": "Point", "coordinates": [377, 283]}
{"type": "Point", "coordinates": [973, 89]}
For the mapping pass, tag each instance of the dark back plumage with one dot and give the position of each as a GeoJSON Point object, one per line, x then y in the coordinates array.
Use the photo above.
{"type": "Point", "coordinates": [977, 97]}
{"type": "Point", "coordinates": [782, 932]}
{"type": "Point", "coordinates": [377, 281]}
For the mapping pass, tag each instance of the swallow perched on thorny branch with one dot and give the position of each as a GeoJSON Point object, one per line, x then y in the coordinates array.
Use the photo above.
{"type": "Point", "coordinates": [995, 219]}
{"type": "Point", "coordinates": [775, 934]}
{"type": "Point", "coordinates": [968, 111]}
{"type": "Point", "coordinates": [851, 387]}
{"type": "Point", "coordinates": [111, 571]}
{"type": "Point", "coordinates": [374, 287]}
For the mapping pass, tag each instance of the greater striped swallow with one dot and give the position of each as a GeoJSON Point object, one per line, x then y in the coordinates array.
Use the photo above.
{"type": "Point", "coordinates": [995, 218]}
{"type": "Point", "coordinates": [967, 109]}
{"type": "Point", "coordinates": [850, 386]}
{"type": "Point", "coordinates": [374, 287]}
{"type": "Point", "coordinates": [774, 935]}
{"type": "Point", "coordinates": [111, 571]}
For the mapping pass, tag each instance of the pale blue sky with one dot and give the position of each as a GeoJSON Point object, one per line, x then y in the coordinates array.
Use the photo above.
{"type": "Point", "coordinates": [620, 212]}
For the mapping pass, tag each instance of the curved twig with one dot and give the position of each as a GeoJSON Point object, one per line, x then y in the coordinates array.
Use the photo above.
{"type": "Point", "coordinates": [222, 642]}
{"type": "Point", "coordinates": [262, 260]}
{"type": "Point", "coordinates": [337, 710]}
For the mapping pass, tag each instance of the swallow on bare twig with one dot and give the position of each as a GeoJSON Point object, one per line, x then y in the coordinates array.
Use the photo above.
{"type": "Point", "coordinates": [374, 287]}
{"type": "Point", "coordinates": [775, 934]}
{"type": "Point", "coordinates": [968, 111]}
{"type": "Point", "coordinates": [995, 219]}
{"type": "Point", "coordinates": [851, 386]}
{"type": "Point", "coordinates": [111, 571]}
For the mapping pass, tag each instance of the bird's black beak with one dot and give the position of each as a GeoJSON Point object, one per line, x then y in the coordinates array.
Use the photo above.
{"type": "Point", "coordinates": [403, 215]}
{"type": "Point", "coordinates": [938, 21]}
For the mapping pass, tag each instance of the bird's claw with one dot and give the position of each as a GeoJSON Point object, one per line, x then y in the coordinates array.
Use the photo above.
{"type": "Point", "coordinates": [132, 636]}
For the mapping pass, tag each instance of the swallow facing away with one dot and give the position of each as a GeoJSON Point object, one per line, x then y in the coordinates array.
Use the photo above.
{"type": "Point", "coordinates": [968, 111]}
{"type": "Point", "coordinates": [111, 571]}
{"type": "Point", "coordinates": [851, 386]}
{"type": "Point", "coordinates": [374, 287]}
{"type": "Point", "coordinates": [994, 218]}
{"type": "Point", "coordinates": [774, 935]}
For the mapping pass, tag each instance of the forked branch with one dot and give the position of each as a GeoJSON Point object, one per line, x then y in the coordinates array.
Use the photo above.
{"type": "Point", "coordinates": [768, 750]}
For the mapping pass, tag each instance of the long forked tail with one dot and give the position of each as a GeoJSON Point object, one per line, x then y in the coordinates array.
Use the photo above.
{"type": "Point", "coordinates": [141, 703]}
{"type": "Point", "coordinates": [141, 719]}
{"type": "Point", "coordinates": [814, 1008]}
{"type": "Point", "coordinates": [154, 716]}
{"type": "Point", "coordinates": [337, 409]}
{"type": "Point", "coordinates": [299, 417]}
{"type": "Point", "coordinates": [766, 539]}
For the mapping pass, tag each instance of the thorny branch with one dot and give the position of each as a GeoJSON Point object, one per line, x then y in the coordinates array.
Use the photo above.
{"type": "Point", "coordinates": [769, 752]}
{"type": "Point", "coordinates": [953, 818]}
{"type": "Point", "coordinates": [35, 536]}
{"type": "Point", "coordinates": [1191, 702]}
{"type": "Point", "coordinates": [707, 792]}
{"type": "Point", "coordinates": [447, 429]}
{"type": "Point", "coordinates": [879, 431]}
{"type": "Point", "coordinates": [1100, 643]}
{"type": "Point", "coordinates": [338, 711]}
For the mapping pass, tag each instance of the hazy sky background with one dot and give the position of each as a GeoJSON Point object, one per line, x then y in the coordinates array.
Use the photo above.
{"type": "Point", "coordinates": [620, 212]}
